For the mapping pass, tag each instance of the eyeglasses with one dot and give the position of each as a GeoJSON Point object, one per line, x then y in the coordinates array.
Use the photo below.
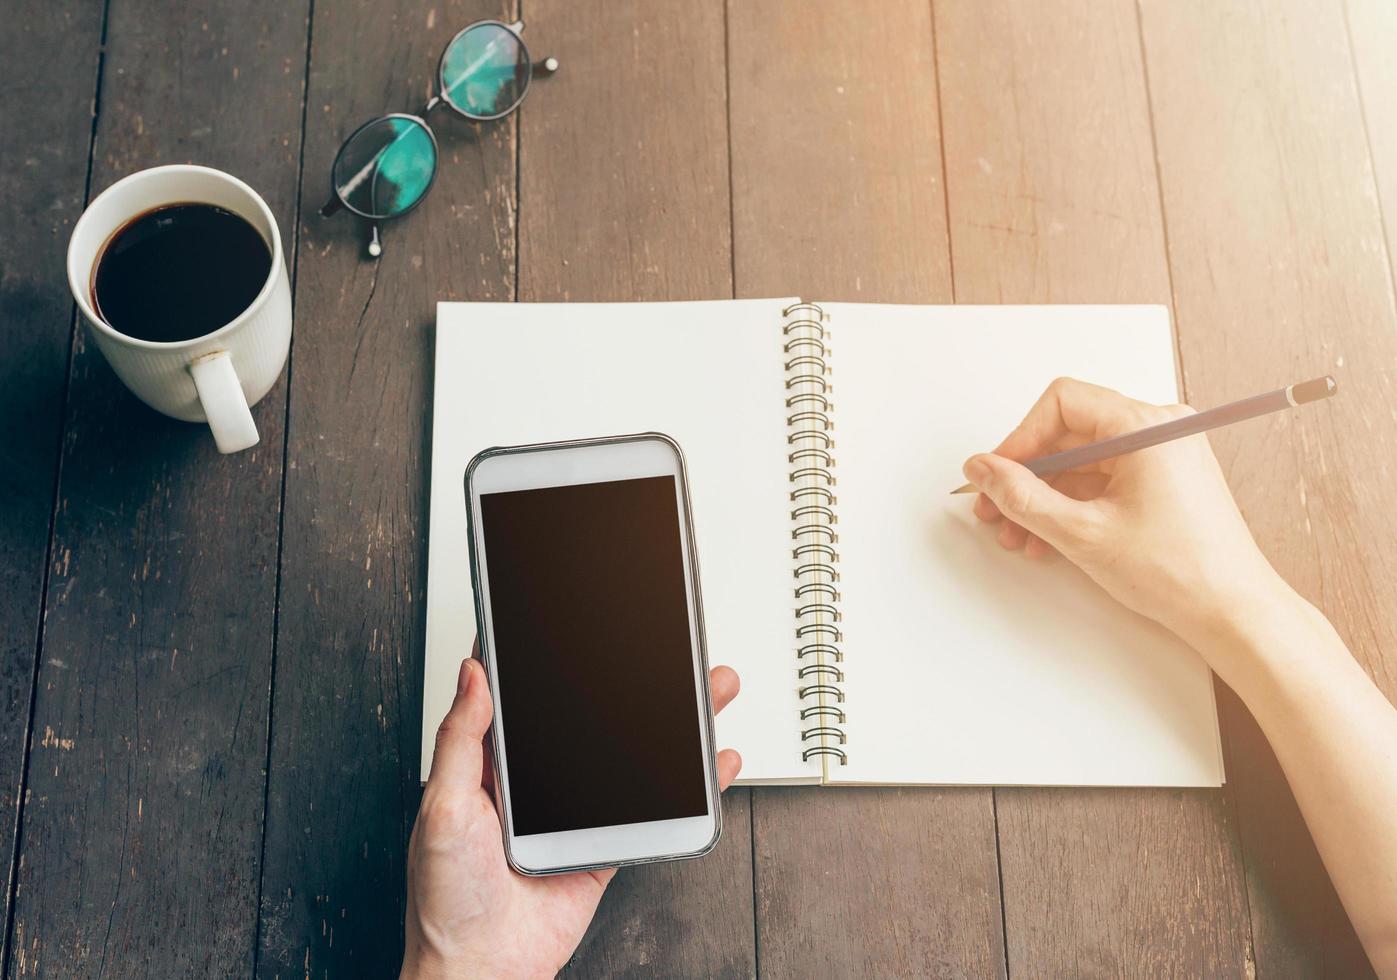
{"type": "Point", "coordinates": [387, 165]}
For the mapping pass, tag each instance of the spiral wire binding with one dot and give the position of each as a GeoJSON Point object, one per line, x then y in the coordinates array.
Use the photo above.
{"type": "Point", "coordinates": [806, 349]}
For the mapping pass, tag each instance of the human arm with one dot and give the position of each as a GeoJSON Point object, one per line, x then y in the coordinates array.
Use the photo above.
{"type": "Point", "coordinates": [1159, 531]}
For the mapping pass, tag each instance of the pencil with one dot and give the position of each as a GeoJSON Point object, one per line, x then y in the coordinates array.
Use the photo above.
{"type": "Point", "coordinates": [1290, 396]}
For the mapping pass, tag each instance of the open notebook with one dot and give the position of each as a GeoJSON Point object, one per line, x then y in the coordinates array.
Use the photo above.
{"type": "Point", "coordinates": [880, 633]}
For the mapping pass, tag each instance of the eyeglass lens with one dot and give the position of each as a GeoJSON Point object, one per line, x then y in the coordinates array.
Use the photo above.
{"type": "Point", "coordinates": [386, 167]}
{"type": "Point", "coordinates": [485, 71]}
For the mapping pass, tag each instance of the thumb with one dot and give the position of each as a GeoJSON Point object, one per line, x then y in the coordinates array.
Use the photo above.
{"type": "Point", "coordinates": [1028, 501]}
{"type": "Point", "coordinates": [458, 757]}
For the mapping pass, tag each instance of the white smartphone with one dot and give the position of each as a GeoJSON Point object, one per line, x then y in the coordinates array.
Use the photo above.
{"type": "Point", "coordinates": [591, 633]}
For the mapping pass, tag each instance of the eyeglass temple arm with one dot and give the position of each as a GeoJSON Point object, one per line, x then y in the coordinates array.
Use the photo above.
{"type": "Point", "coordinates": [548, 65]}
{"type": "Point", "coordinates": [333, 206]}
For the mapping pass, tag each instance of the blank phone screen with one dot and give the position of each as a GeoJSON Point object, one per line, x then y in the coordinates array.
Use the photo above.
{"type": "Point", "coordinates": [594, 656]}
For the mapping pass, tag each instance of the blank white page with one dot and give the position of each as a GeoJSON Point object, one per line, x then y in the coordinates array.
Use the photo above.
{"type": "Point", "coordinates": [966, 663]}
{"type": "Point", "coordinates": [710, 375]}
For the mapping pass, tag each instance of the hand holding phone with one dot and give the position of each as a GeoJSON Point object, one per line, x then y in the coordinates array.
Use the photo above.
{"type": "Point", "coordinates": [468, 913]}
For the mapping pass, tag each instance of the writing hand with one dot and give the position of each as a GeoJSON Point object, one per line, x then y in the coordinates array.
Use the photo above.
{"type": "Point", "coordinates": [1158, 529]}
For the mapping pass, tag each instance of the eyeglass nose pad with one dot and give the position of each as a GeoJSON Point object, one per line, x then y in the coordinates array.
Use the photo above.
{"type": "Point", "coordinates": [517, 27]}
{"type": "Point", "coordinates": [546, 67]}
{"type": "Point", "coordinates": [375, 245]}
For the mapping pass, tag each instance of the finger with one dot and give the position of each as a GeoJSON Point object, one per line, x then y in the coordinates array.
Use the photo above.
{"type": "Point", "coordinates": [1078, 486]}
{"type": "Point", "coordinates": [725, 684]}
{"type": "Point", "coordinates": [1069, 411]}
{"type": "Point", "coordinates": [458, 759]}
{"type": "Point", "coordinates": [1012, 536]}
{"type": "Point", "coordinates": [487, 770]}
{"type": "Point", "coordinates": [985, 509]}
{"type": "Point", "coordinates": [729, 765]}
{"type": "Point", "coordinates": [602, 876]}
{"type": "Point", "coordinates": [1032, 504]}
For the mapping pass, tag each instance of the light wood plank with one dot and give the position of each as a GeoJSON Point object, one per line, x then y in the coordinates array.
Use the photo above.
{"type": "Point", "coordinates": [1279, 271]}
{"type": "Point", "coordinates": [1372, 28]}
{"type": "Point", "coordinates": [343, 785]}
{"type": "Point", "coordinates": [837, 195]}
{"type": "Point", "coordinates": [141, 837]}
{"type": "Point", "coordinates": [1054, 199]}
{"type": "Point", "coordinates": [624, 196]}
{"type": "Point", "coordinates": [1049, 162]}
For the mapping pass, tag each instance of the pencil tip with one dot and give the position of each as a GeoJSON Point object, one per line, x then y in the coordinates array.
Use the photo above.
{"type": "Point", "coordinates": [968, 488]}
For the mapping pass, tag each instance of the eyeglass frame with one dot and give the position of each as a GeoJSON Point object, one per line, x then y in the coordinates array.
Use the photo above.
{"type": "Point", "coordinates": [546, 67]}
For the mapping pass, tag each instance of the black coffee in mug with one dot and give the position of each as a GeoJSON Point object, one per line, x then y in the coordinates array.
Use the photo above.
{"type": "Point", "coordinates": [179, 271]}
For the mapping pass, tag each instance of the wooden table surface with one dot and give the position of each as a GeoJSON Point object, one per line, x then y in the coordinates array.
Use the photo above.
{"type": "Point", "coordinates": [212, 666]}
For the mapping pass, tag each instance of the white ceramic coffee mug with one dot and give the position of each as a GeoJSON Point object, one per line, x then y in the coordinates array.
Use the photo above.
{"type": "Point", "coordinates": [215, 377]}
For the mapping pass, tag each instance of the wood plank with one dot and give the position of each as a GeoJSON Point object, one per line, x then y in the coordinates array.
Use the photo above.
{"type": "Point", "coordinates": [837, 194]}
{"type": "Point", "coordinates": [836, 161]}
{"type": "Point", "coordinates": [143, 809]}
{"type": "Point", "coordinates": [43, 186]}
{"type": "Point", "coordinates": [1372, 29]}
{"type": "Point", "coordinates": [343, 782]}
{"type": "Point", "coordinates": [623, 190]}
{"type": "Point", "coordinates": [1053, 199]}
{"type": "Point", "coordinates": [1049, 162]}
{"type": "Point", "coordinates": [1279, 271]}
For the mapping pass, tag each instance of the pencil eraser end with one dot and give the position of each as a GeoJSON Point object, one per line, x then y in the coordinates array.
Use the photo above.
{"type": "Point", "coordinates": [1309, 391]}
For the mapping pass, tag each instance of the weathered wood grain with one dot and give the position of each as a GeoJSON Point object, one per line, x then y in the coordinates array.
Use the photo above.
{"type": "Point", "coordinates": [838, 194]}
{"type": "Point", "coordinates": [836, 160]}
{"type": "Point", "coordinates": [1049, 163]}
{"type": "Point", "coordinates": [1054, 199]}
{"type": "Point", "coordinates": [1372, 29]}
{"type": "Point", "coordinates": [343, 782]}
{"type": "Point", "coordinates": [141, 832]}
{"type": "Point", "coordinates": [1280, 271]}
{"type": "Point", "coordinates": [623, 195]}
{"type": "Point", "coordinates": [140, 838]}
{"type": "Point", "coordinates": [43, 183]}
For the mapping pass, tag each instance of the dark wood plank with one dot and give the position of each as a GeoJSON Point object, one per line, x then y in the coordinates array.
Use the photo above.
{"type": "Point", "coordinates": [1053, 198]}
{"type": "Point", "coordinates": [141, 831]}
{"type": "Point", "coordinates": [1279, 271]}
{"type": "Point", "coordinates": [623, 195]}
{"type": "Point", "coordinates": [837, 194]}
{"type": "Point", "coordinates": [43, 186]}
{"type": "Point", "coordinates": [343, 782]}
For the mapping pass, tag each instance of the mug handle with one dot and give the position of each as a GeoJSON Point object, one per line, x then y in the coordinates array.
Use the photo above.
{"type": "Point", "coordinates": [224, 403]}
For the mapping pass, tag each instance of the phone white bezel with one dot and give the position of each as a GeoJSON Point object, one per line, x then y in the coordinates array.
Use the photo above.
{"type": "Point", "coordinates": [569, 464]}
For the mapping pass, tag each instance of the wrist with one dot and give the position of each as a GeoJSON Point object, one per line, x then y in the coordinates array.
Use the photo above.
{"type": "Point", "coordinates": [419, 967]}
{"type": "Point", "coordinates": [420, 964]}
{"type": "Point", "coordinates": [1264, 637]}
{"type": "Point", "coordinates": [1223, 610]}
